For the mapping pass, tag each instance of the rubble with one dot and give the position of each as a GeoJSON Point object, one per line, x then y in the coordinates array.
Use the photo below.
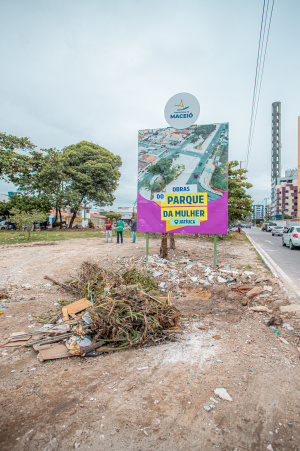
{"type": "Point", "coordinates": [120, 315]}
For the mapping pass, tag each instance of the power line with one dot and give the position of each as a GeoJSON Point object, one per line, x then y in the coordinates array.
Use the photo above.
{"type": "Point", "coordinates": [256, 74]}
{"type": "Point", "coordinates": [260, 63]}
{"type": "Point", "coordinates": [263, 66]}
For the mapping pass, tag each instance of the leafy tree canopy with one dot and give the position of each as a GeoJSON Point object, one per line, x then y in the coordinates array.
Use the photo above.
{"type": "Point", "coordinates": [239, 202]}
{"type": "Point", "coordinates": [93, 173]}
{"type": "Point", "coordinates": [162, 167]}
{"type": "Point", "coordinates": [4, 209]}
{"type": "Point", "coordinates": [24, 219]}
{"type": "Point", "coordinates": [11, 161]}
{"type": "Point", "coordinates": [27, 204]}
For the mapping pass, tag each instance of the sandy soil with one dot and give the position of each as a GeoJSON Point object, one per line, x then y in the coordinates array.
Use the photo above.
{"type": "Point", "coordinates": [152, 398]}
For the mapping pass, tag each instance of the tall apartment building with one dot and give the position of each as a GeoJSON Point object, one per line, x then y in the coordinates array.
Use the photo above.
{"type": "Point", "coordinates": [286, 194]}
{"type": "Point", "coordinates": [276, 152]}
{"type": "Point", "coordinates": [258, 212]}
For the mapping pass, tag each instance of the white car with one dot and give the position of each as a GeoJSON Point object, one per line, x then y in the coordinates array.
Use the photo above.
{"type": "Point", "coordinates": [291, 237]}
{"type": "Point", "coordinates": [278, 231]}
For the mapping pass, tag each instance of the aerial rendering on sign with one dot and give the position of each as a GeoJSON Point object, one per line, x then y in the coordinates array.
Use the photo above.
{"type": "Point", "coordinates": [182, 179]}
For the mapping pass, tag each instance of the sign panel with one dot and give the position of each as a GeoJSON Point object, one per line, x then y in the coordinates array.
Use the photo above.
{"type": "Point", "coordinates": [182, 179]}
{"type": "Point", "coordinates": [182, 110]}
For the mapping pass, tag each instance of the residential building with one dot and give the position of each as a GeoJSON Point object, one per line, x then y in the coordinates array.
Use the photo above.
{"type": "Point", "coordinates": [258, 212]}
{"type": "Point", "coordinates": [287, 194]}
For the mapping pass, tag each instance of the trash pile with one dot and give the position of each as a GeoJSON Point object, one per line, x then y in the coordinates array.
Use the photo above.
{"type": "Point", "coordinates": [183, 274]}
{"type": "Point", "coordinates": [112, 315]}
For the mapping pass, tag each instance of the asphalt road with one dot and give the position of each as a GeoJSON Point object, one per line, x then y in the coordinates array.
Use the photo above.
{"type": "Point", "coordinates": [287, 260]}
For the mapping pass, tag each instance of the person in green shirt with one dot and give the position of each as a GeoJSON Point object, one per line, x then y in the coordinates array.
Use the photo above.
{"type": "Point", "coordinates": [120, 226]}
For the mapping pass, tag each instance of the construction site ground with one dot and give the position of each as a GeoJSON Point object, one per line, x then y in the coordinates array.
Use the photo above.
{"type": "Point", "coordinates": [152, 398]}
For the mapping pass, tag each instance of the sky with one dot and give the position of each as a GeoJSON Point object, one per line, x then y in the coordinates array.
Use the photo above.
{"type": "Point", "coordinates": [101, 70]}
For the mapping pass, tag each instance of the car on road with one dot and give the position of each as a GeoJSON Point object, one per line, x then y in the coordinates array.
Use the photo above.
{"type": "Point", "coordinates": [3, 225]}
{"type": "Point", "coordinates": [278, 231]}
{"type": "Point", "coordinates": [291, 237]}
{"type": "Point", "coordinates": [271, 226]}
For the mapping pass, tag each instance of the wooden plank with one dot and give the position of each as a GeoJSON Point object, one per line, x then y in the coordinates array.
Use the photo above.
{"type": "Point", "coordinates": [57, 351]}
{"type": "Point", "coordinates": [78, 306]}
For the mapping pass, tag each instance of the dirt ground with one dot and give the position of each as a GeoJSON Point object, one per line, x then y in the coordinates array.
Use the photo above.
{"type": "Point", "coordinates": [153, 398]}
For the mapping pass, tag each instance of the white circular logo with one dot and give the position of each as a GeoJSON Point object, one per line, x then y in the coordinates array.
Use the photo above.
{"type": "Point", "coordinates": [182, 110]}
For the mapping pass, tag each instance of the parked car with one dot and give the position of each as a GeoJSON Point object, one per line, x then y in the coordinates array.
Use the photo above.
{"type": "Point", "coordinates": [271, 226]}
{"type": "Point", "coordinates": [278, 231]}
{"type": "Point", "coordinates": [248, 226]}
{"type": "Point", "coordinates": [291, 237]}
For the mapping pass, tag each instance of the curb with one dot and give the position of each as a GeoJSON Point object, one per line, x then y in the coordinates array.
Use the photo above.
{"type": "Point", "coordinates": [276, 270]}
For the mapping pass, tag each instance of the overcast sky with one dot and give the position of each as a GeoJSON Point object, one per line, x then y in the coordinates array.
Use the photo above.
{"type": "Point", "coordinates": [99, 70]}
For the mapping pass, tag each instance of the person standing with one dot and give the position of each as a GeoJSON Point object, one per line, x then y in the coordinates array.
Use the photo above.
{"type": "Point", "coordinates": [133, 230]}
{"type": "Point", "coordinates": [120, 226]}
{"type": "Point", "coordinates": [108, 229]}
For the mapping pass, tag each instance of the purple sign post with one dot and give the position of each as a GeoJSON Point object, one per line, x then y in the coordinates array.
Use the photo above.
{"type": "Point", "coordinates": [182, 177]}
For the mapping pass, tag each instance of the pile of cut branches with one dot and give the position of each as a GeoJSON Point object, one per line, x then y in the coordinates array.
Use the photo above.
{"type": "Point", "coordinates": [139, 320]}
{"type": "Point", "coordinates": [121, 312]}
{"type": "Point", "coordinates": [94, 282]}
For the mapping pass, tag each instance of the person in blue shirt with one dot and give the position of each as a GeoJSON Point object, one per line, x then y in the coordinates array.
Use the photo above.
{"type": "Point", "coordinates": [133, 229]}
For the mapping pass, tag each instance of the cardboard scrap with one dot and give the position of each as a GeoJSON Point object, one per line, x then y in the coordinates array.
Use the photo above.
{"type": "Point", "coordinates": [56, 351]}
{"type": "Point", "coordinates": [74, 308]}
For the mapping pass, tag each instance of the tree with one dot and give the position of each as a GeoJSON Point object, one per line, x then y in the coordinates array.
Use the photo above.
{"type": "Point", "coordinates": [239, 203]}
{"type": "Point", "coordinates": [163, 252]}
{"type": "Point", "coordinates": [24, 219]}
{"type": "Point", "coordinates": [93, 174]}
{"type": "Point", "coordinates": [4, 209]}
{"type": "Point", "coordinates": [27, 204]}
{"type": "Point", "coordinates": [46, 177]}
{"type": "Point", "coordinates": [162, 167]}
{"type": "Point", "coordinates": [194, 138]}
{"type": "Point", "coordinates": [12, 162]}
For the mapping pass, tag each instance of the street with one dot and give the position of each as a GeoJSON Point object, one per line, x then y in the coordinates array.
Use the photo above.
{"type": "Point", "coordinates": [284, 258]}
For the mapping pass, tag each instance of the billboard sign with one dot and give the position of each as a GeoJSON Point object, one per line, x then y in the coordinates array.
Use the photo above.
{"type": "Point", "coordinates": [182, 179]}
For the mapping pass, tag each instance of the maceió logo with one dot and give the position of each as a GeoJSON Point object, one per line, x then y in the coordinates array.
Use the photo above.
{"type": "Point", "coordinates": [180, 108]}
{"type": "Point", "coordinates": [180, 116]}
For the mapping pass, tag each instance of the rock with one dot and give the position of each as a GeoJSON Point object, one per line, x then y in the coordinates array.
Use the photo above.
{"type": "Point", "coordinates": [254, 292]}
{"type": "Point", "coordinates": [292, 308]}
{"type": "Point", "coordinates": [274, 320]}
{"type": "Point", "coordinates": [287, 326]}
{"type": "Point", "coordinates": [249, 273]}
{"type": "Point", "coordinates": [268, 288]}
{"type": "Point", "coordinates": [284, 340]}
{"type": "Point", "coordinates": [26, 286]}
{"type": "Point", "coordinates": [223, 394]}
{"type": "Point", "coordinates": [221, 280]}
{"type": "Point", "coordinates": [262, 279]}
{"type": "Point", "coordinates": [260, 308]}
{"type": "Point", "coordinates": [244, 301]}
{"type": "Point", "coordinates": [209, 407]}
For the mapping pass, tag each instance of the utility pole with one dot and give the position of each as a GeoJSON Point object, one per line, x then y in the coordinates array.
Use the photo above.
{"type": "Point", "coordinates": [241, 163]}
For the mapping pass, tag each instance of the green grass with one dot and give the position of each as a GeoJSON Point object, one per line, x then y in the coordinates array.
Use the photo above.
{"type": "Point", "coordinates": [12, 236]}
